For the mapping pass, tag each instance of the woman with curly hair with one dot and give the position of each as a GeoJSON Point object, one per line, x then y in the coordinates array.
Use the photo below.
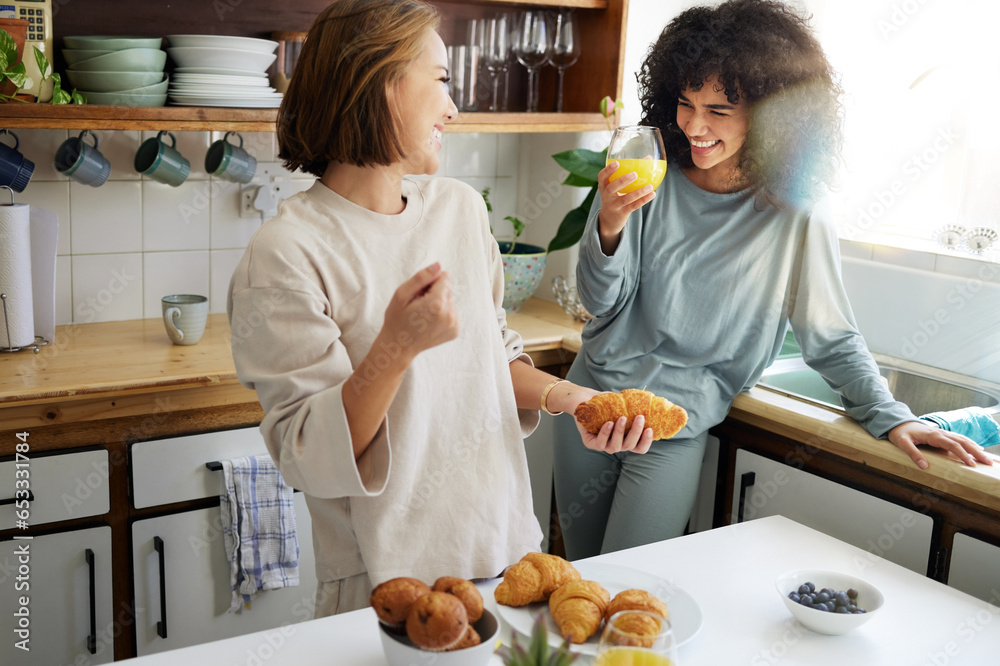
{"type": "Point", "coordinates": [693, 293]}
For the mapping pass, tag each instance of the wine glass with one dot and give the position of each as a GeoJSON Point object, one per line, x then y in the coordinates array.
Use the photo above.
{"type": "Point", "coordinates": [496, 53]}
{"type": "Point", "coordinates": [532, 46]}
{"type": "Point", "coordinates": [565, 49]}
{"type": "Point", "coordinates": [639, 149]}
{"type": "Point", "coordinates": [636, 637]}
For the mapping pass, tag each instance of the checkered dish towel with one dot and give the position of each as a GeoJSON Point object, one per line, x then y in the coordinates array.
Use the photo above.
{"type": "Point", "coordinates": [258, 527]}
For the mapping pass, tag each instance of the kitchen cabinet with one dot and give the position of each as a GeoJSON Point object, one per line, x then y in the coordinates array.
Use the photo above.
{"type": "Point", "coordinates": [912, 500]}
{"type": "Point", "coordinates": [767, 487]}
{"type": "Point", "coordinates": [65, 486]}
{"type": "Point", "coordinates": [69, 588]}
{"type": "Point", "coordinates": [598, 72]}
{"type": "Point", "coordinates": [181, 572]}
{"type": "Point", "coordinates": [975, 567]}
{"type": "Point", "coordinates": [193, 575]}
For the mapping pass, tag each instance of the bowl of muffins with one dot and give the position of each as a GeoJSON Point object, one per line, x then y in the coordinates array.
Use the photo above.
{"type": "Point", "coordinates": [446, 618]}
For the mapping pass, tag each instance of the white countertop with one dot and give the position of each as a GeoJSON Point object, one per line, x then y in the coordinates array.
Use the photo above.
{"type": "Point", "coordinates": [730, 571]}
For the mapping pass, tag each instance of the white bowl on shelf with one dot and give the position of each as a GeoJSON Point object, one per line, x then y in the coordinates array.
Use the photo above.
{"type": "Point", "coordinates": [219, 57]}
{"type": "Point", "coordinates": [223, 41]}
{"type": "Point", "coordinates": [400, 650]}
{"type": "Point", "coordinates": [826, 622]}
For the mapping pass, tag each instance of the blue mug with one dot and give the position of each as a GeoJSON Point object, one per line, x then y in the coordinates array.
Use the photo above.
{"type": "Point", "coordinates": [15, 168]}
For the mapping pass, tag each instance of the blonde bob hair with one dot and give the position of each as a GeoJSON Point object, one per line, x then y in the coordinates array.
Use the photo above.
{"type": "Point", "coordinates": [336, 107]}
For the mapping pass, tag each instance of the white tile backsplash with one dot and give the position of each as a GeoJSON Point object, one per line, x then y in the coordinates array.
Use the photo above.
{"type": "Point", "coordinates": [106, 219]}
{"type": "Point", "coordinates": [470, 155]}
{"type": "Point", "coordinates": [120, 148]}
{"type": "Point", "coordinates": [176, 218]}
{"type": "Point", "coordinates": [173, 273]}
{"type": "Point", "coordinates": [107, 287]}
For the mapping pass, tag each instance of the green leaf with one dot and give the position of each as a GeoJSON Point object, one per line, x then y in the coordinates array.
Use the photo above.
{"type": "Point", "coordinates": [578, 181]}
{"type": "Point", "coordinates": [571, 228]}
{"type": "Point", "coordinates": [486, 199]}
{"type": "Point", "coordinates": [78, 97]}
{"type": "Point", "coordinates": [17, 76]}
{"type": "Point", "coordinates": [518, 226]}
{"type": "Point", "coordinates": [42, 62]}
{"type": "Point", "coordinates": [582, 162]}
{"type": "Point", "coordinates": [8, 48]}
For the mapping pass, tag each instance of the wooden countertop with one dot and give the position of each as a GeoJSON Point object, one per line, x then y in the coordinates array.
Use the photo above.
{"type": "Point", "coordinates": [105, 370]}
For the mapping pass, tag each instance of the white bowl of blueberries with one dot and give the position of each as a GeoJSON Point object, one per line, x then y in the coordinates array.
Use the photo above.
{"type": "Point", "coordinates": [828, 602]}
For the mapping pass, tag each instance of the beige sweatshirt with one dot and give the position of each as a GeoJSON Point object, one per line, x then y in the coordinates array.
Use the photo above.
{"type": "Point", "coordinates": [443, 489]}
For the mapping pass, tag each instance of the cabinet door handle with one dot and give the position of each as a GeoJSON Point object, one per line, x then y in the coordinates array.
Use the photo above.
{"type": "Point", "coordinates": [92, 636]}
{"type": "Point", "coordinates": [161, 626]}
{"type": "Point", "coordinates": [746, 480]}
{"type": "Point", "coordinates": [15, 499]}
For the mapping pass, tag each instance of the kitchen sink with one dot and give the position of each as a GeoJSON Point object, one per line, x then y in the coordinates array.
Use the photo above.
{"type": "Point", "coordinates": [923, 389]}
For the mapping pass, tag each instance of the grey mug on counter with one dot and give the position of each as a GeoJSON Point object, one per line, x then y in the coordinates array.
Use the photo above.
{"type": "Point", "coordinates": [184, 317]}
{"type": "Point", "coordinates": [15, 168]}
{"type": "Point", "coordinates": [230, 162]}
{"type": "Point", "coordinates": [82, 162]}
{"type": "Point", "coordinates": [162, 162]}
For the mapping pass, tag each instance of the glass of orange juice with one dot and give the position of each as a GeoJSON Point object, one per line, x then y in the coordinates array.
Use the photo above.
{"type": "Point", "coordinates": [639, 149]}
{"type": "Point", "coordinates": [636, 638]}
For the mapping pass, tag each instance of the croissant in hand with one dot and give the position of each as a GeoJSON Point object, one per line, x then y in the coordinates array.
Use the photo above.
{"type": "Point", "coordinates": [533, 579]}
{"type": "Point", "coordinates": [578, 609]}
{"type": "Point", "coordinates": [663, 416]}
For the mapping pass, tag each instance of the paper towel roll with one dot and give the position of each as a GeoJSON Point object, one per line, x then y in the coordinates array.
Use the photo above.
{"type": "Point", "coordinates": [18, 330]}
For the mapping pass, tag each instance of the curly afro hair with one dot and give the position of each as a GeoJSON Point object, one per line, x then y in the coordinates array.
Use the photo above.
{"type": "Point", "coordinates": [764, 54]}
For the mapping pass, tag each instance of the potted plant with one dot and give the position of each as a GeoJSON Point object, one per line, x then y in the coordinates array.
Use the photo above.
{"type": "Point", "coordinates": [13, 76]}
{"type": "Point", "coordinates": [523, 264]}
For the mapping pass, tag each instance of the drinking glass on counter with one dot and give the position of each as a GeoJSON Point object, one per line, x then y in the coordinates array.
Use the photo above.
{"type": "Point", "coordinates": [637, 638]}
{"type": "Point", "coordinates": [532, 45]}
{"type": "Point", "coordinates": [638, 148]}
{"type": "Point", "coordinates": [565, 49]}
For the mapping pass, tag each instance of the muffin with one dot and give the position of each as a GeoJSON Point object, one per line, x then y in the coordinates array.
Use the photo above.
{"type": "Point", "coordinates": [469, 639]}
{"type": "Point", "coordinates": [466, 591]}
{"type": "Point", "coordinates": [437, 621]}
{"type": "Point", "coordinates": [393, 598]}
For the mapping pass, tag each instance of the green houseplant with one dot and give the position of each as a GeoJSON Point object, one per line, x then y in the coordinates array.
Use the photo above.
{"type": "Point", "coordinates": [525, 263]}
{"type": "Point", "coordinates": [14, 78]}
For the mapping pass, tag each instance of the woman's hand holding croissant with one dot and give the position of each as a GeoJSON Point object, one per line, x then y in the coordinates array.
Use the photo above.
{"type": "Point", "coordinates": [613, 437]}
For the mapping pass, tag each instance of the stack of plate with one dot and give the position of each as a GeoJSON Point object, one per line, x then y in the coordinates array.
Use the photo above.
{"type": "Point", "coordinates": [117, 71]}
{"type": "Point", "coordinates": [218, 70]}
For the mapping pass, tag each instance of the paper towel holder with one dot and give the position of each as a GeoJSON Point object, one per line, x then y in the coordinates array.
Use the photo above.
{"type": "Point", "coordinates": [39, 341]}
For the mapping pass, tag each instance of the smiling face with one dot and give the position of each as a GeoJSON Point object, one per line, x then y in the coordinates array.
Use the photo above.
{"type": "Point", "coordinates": [422, 106]}
{"type": "Point", "coordinates": [716, 130]}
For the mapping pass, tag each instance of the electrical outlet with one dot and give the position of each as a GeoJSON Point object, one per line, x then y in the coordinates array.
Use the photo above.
{"type": "Point", "coordinates": [263, 194]}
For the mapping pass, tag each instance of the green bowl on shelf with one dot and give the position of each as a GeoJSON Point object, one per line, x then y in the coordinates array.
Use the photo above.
{"type": "Point", "coordinates": [124, 98]}
{"type": "Point", "coordinates": [113, 81]}
{"type": "Point", "coordinates": [111, 43]}
{"type": "Point", "coordinates": [129, 60]}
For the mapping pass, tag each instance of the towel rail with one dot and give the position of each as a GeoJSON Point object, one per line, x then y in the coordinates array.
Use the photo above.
{"type": "Point", "coordinates": [216, 466]}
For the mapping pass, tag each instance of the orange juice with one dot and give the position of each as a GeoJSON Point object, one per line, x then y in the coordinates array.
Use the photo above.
{"type": "Point", "coordinates": [630, 656]}
{"type": "Point", "coordinates": [650, 172]}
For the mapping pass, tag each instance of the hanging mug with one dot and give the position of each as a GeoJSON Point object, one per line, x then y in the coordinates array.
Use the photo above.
{"type": "Point", "coordinates": [162, 162]}
{"type": "Point", "coordinates": [230, 162]}
{"type": "Point", "coordinates": [82, 162]}
{"type": "Point", "coordinates": [15, 168]}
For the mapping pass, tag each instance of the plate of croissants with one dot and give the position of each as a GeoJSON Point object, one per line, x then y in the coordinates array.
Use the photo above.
{"type": "Point", "coordinates": [577, 598]}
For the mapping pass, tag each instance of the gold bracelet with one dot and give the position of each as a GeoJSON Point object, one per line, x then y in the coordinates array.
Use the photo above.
{"type": "Point", "coordinates": [545, 395]}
